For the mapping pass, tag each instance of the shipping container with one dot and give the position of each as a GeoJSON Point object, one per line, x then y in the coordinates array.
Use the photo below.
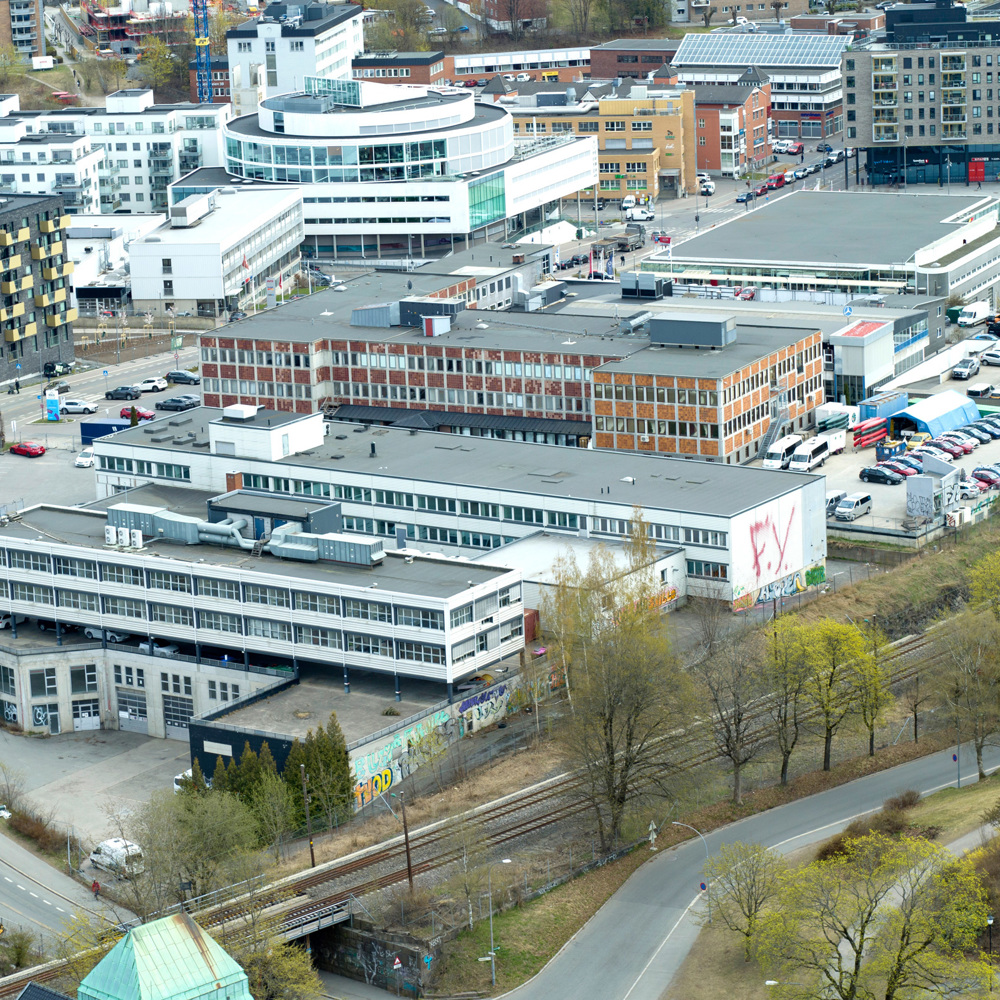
{"type": "Point", "coordinates": [884, 404]}
{"type": "Point", "coordinates": [91, 430]}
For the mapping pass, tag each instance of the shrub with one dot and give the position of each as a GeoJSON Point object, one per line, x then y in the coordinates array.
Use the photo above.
{"type": "Point", "coordinates": [36, 828]}
{"type": "Point", "coordinates": [903, 801]}
{"type": "Point", "coordinates": [390, 711]}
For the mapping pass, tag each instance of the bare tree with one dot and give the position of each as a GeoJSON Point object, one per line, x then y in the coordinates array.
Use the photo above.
{"type": "Point", "coordinates": [707, 15]}
{"type": "Point", "coordinates": [712, 617]}
{"type": "Point", "coordinates": [734, 682]}
{"type": "Point", "coordinates": [580, 13]}
{"type": "Point", "coordinates": [913, 697]}
{"type": "Point", "coordinates": [778, 6]}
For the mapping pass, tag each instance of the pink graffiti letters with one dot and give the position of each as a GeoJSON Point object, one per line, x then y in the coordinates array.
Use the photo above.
{"type": "Point", "coordinates": [766, 543]}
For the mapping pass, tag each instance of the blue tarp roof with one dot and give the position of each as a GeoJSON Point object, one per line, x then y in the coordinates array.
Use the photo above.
{"type": "Point", "coordinates": [942, 412]}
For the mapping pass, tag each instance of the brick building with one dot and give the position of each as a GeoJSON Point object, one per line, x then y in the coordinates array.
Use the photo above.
{"type": "Point", "coordinates": [631, 57]}
{"type": "Point", "coordinates": [678, 397]}
{"type": "Point", "coordinates": [400, 67]}
{"type": "Point", "coordinates": [219, 75]}
{"type": "Point", "coordinates": [733, 125]}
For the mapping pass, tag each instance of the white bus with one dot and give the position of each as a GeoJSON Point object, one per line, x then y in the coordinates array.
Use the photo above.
{"type": "Point", "coordinates": [816, 451]}
{"type": "Point", "coordinates": [780, 453]}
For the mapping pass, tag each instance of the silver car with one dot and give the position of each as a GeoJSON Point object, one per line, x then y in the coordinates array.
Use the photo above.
{"type": "Point", "coordinates": [76, 406]}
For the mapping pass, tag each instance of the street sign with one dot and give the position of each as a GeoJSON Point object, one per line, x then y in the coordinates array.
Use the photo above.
{"type": "Point", "coordinates": [397, 964]}
{"type": "Point", "coordinates": [18, 366]}
{"type": "Point", "coordinates": [703, 886]}
{"type": "Point", "coordinates": [105, 373]}
{"type": "Point", "coordinates": [427, 960]}
{"type": "Point", "coordinates": [848, 310]}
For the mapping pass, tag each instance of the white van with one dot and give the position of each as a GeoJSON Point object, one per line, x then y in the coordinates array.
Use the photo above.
{"type": "Point", "coordinates": [816, 451]}
{"type": "Point", "coordinates": [628, 202]}
{"type": "Point", "coordinates": [853, 506]}
{"type": "Point", "coordinates": [780, 453]}
{"type": "Point", "coordinates": [981, 390]}
{"type": "Point", "coordinates": [975, 312]}
{"type": "Point", "coordinates": [119, 856]}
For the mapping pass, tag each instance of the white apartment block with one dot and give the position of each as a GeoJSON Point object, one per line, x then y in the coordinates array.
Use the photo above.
{"type": "Point", "coordinates": [289, 42]}
{"type": "Point", "coordinates": [120, 157]}
{"type": "Point", "coordinates": [217, 251]}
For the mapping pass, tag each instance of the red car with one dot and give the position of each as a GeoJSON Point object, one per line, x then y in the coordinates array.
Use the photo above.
{"type": "Point", "coordinates": [28, 448]}
{"type": "Point", "coordinates": [991, 479]}
{"type": "Point", "coordinates": [903, 470]}
{"type": "Point", "coordinates": [126, 413]}
{"type": "Point", "coordinates": [953, 448]}
{"type": "Point", "coordinates": [762, 191]}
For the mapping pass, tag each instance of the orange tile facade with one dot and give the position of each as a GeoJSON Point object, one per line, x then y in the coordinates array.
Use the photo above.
{"type": "Point", "coordinates": [722, 419]}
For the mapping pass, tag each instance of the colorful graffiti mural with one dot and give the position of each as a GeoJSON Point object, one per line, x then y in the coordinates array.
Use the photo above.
{"type": "Point", "coordinates": [794, 583]}
{"type": "Point", "coordinates": [378, 783]}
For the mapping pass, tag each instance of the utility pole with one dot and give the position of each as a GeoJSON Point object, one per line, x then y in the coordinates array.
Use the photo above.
{"type": "Point", "coordinates": [406, 840]}
{"type": "Point", "coordinates": [309, 829]}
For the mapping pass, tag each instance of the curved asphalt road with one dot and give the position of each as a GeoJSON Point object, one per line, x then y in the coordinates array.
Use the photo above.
{"type": "Point", "coordinates": [636, 943]}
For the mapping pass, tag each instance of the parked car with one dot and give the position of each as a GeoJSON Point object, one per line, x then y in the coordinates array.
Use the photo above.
{"type": "Point", "coordinates": [640, 215]}
{"type": "Point", "coordinates": [761, 191]}
{"type": "Point", "coordinates": [29, 449]}
{"type": "Point", "coordinates": [6, 619]}
{"type": "Point", "coordinates": [469, 83]}
{"type": "Point", "coordinates": [971, 430]}
{"type": "Point", "coordinates": [745, 196]}
{"type": "Point", "coordinates": [523, 77]}
{"type": "Point", "coordinates": [813, 168]}
{"type": "Point", "coordinates": [824, 147]}
{"type": "Point", "coordinates": [965, 441]}
{"type": "Point", "coordinates": [168, 649]}
{"type": "Point", "coordinates": [85, 460]}
{"type": "Point", "coordinates": [181, 377]}
{"type": "Point", "coordinates": [235, 317]}
{"type": "Point", "coordinates": [176, 403]}
{"type": "Point", "coordinates": [913, 463]}
{"type": "Point", "coordinates": [991, 430]}
{"type": "Point", "coordinates": [953, 449]}
{"type": "Point", "coordinates": [140, 412]}
{"type": "Point", "coordinates": [965, 369]}
{"type": "Point", "coordinates": [707, 188]}
{"type": "Point", "coordinates": [483, 81]}
{"type": "Point", "coordinates": [799, 172]}
{"type": "Point", "coordinates": [599, 276]}
{"type": "Point", "coordinates": [153, 384]}
{"type": "Point", "coordinates": [76, 406]}
{"type": "Point", "coordinates": [53, 368]}
{"type": "Point", "coordinates": [124, 392]}
{"type": "Point", "coordinates": [779, 146]}
{"type": "Point", "coordinates": [986, 335]}
{"type": "Point", "coordinates": [990, 357]}
{"type": "Point", "coordinates": [939, 453]}
{"type": "Point", "coordinates": [988, 476]}
{"type": "Point", "coordinates": [48, 625]}
{"type": "Point", "coordinates": [874, 474]}
{"type": "Point", "coordinates": [580, 258]}
{"type": "Point", "coordinates": [970, 490]}
{"type": "Point", "coordinates": [898, 467]}
{"type": "Point", "coordinates": [795, 149]}
{"type": "Point", "coordinates": [93, 632]}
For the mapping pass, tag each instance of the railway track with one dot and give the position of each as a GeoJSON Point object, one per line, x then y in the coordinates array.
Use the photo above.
{"type": "Point", "coordinates": [503, 822]}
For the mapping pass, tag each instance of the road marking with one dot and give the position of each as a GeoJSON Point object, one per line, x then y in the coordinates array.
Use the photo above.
{"type": "Point", "coordinates": [21, 887]}
{"type": "Point", "coordinates": [35, 894]}
{"type": "Point", "coordinates": [60, 909]}
{"type": "Point", "coordinates": [662, 943]}
{"type": "Point", "coordinates": [8, 879]}
{"type": "Point", "coordinates": [46, 902]}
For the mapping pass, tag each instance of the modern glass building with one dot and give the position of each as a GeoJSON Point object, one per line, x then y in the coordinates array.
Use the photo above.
{"type": "Point", "coordinates": [391, 170]}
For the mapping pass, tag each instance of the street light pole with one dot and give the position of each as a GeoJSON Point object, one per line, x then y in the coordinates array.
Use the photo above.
{"type": "Point", "coordinates": [705, 843]}
{"type": "Point", "coordinates": [989, 923]}
{"type": "Point", "coordinates": [489, 884]}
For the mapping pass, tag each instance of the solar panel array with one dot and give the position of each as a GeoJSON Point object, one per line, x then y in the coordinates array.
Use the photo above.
{"type": "Point", "coordinates": [744, 49]}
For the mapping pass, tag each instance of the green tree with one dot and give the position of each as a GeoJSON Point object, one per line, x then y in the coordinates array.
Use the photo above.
{"type": "Point", "coordinates": [742, 880]}
{"type": "Point", "coordinates": [133, 417]}
{"type": "Point", "coordinates": [733, 681]}
{"type": "Point", "coordinates": [220, 779]}
{"type": "Point", "coordinates": [871, 682]}
{"type": "Point", "coordinates": [984, 584]}
{"type": "Point", "coordinates": [834, 650]}
{"type": "Point", "coordinates": [786, 673]}
{"type": "Point", "coordinates": [893, 918]}
{"type": "Point", "coordinates": [273, 810]}
{"type": "Point", "coordinates": [158, 63]}
{"type": "Point", "coordinates": [11, 62]}
{"type": "Point", "coordinates": [970, 679]}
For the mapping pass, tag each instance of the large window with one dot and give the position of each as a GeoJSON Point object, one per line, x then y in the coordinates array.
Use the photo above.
{"type": "Point", "coordinates": [461, 616]}
{"type": "Point", "coordinates": [76, 567]}
{"type": "Point", "coordinates": [43, 682]}
{"type": "Point", "coordinates": [130, 676]}
{"type": "Point", "coordinates": [420, 618]}
{"type": "Point", "coordinates": [487, 201]}
{"type": "Point", "coordinates": [226, 589]}
{"type": "Point", "coordinates": [78, 600]}
{"type": "Point", "coordinates": [308, 635]}
{"type": "Point", "coordinates": [320, 603]}
{"type": "Point", "coordinates": [83, 679]}
{"type": "Point", "coordinates": [178, 683]}
{"type": "Point", "coordinates": [7, 680]}
{"type": "Point", "coordinates": [369, 610]}
{"type": "Point", "coordinates": [220, 621]}
{"type": "Point", "coordinates": [171, 614]}
{"type": "Point", "coordinates": [127, 606]}
{"type": "Point", "coordinates": [256, 594]}
{"type": "Point", "coordinates": [420, 652]}
{"type": "Point", "coordinates": [162, 580]}
{"type": "Point", "coordinates": [30, 592]}
{"type": "Point", "coordinates": [354, 642]}
{"type": "Point", "coordinates": [29, 560]}
{"type": "Point", "coordinates": [130, 575]}
{"type": "Point", "coordinates": [266, 629]}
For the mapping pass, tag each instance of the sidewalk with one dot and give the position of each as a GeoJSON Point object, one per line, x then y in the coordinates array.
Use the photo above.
{"type": "Point", "coordinates": [341, 988]}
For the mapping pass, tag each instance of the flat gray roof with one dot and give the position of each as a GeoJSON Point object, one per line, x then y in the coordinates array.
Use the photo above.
{"type": "Point", "coordinates": [426, 575]}
{"type": "Point", "coordinates": [752, 343]}
{"type": "Point", "coordinates": [429, 457]}
{"type": "Point", "coordinates": [836, 228]}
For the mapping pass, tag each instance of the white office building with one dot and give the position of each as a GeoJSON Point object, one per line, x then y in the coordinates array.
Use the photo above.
{"type": "Point", "coordinates": [288, 42]}
{"type": "Point", "coordinates": [218, 251]}
{"type": "Point", "coordinates": [117, 158]}
{"type": "Point", "coordinates": [392, 170]}
{"type": "Point", "coordinates": [745, 532]}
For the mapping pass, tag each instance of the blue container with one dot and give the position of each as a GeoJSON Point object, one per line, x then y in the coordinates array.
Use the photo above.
{"type": "Point", "coordinates": [90, 430]}
{"type": "Point", "coordinates": [884, 404]}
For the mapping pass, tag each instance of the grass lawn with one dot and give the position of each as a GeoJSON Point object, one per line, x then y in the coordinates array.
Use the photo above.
{"type": "Point", "coordinates": [956, 811]}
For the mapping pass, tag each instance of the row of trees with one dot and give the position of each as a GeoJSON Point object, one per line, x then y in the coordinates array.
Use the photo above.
{"type": "Point", "coordinates": [889, 917]}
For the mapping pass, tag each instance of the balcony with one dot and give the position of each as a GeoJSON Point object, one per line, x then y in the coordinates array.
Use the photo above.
{"type": "Point", "coordinates": [953, 119]}
{"type": "Point", "coordinates": [50, 298]}
{"type": "Point", "coordinates": [886, 118]}
{"type": "Point", "coordinates": [8, 239]}
{"type": "Point", "coordinates": [59, 319]}
{"type": "Point", "coordinates": [954, 99]}
{"type": "Point", "coordinates": [15, 310]}
{"type": "Point", "coordinates": [58, 271]}
{"type": "Point", "coordinates": [953, 132]}
{"type": "Point", "coordinates": [110, 202]}
{"type": "Point", "coordinates": [17, 285]}
{"type": "Point", "coordinates": [109, 184]}
{"type": "Point", "coordinates": [953, 63]}
{"type": "Point", "coordinates": [52, 250]}
{"type": "Point", "coordinates": [885, 133]}
{"type": "Point", "coordinates": [953, 80]}
{"type": "Point", "coordinates": [11, 262]}
{"type": "Point", "coordinates": [886, 101]}
{"type": "Point", "coordinates": [12, 336]}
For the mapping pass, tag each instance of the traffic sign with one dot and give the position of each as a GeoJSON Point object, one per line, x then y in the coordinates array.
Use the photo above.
{"type": "Point", "coordinates": [397, 964]}
{"type": "Point", "coordinates": [105, 373]}
{"type": "Point", "coordinates": [18, 366]}
{"type": "Point", "coordinates": [848, 310]}
{"type": "Point", "coordinates": [427, 960]}
{"type": "Point", "coordinates": [703, 887]}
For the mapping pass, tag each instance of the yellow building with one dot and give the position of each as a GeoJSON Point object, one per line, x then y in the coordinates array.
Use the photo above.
{"type": "Point", "coordinates": [646, 139]}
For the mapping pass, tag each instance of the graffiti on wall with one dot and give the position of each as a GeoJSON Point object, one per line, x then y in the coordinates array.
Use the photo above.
{"type": "Point", "coordinates": [769, 539]}
{"type": "Point", "coordinates": [794, 583]}
{"type": "Point", "coordinates": [377, 784]}
{"type": "Point", "coordinates": [486, 705]}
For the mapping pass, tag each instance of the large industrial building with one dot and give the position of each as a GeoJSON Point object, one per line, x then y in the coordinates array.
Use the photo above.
{"type": "Point", "coordinates": [741, 528]}
{"type": "Point", "coordinates": [350, 143]}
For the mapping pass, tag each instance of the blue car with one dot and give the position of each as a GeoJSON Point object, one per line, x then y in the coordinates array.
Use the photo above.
{"type": "Point", "coordinates": [745, 196]}
{"type": "Point", "coordinates": [464, 27]}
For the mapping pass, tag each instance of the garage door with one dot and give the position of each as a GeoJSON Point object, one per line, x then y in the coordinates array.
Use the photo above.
{"type": "Point", "coordinates": [86, 715]}
{"type": "Point", "coordinates": [132, 711]}
{"type": "Point", "coordinates": [177, 714]}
